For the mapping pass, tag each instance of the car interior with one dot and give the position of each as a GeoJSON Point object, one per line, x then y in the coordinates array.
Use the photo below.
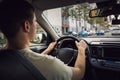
{"type": "Point", "coordinates": [102, 53]}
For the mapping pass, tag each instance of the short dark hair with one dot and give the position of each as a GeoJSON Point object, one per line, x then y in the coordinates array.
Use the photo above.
{"type": "Point", "coordinates": [13, 13]}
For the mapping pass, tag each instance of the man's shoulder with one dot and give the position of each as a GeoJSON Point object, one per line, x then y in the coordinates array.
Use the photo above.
{"type": "Point", "coordinates": [37, 56]}
{"type": "Point", "coordinates": [47, 63]}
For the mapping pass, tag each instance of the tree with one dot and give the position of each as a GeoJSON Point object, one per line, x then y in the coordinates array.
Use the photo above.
{"type": "Point", "coordinates": [65, 17]}
{"type": "Point", "coordinates": [81, 11]}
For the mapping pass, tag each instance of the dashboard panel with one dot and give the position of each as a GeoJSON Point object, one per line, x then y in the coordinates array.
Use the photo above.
{"type": "Point", "coordinates": [103, 61]}
{"type": "Point", "coordinates": [107, 57]}
{"type": "Point", "coordinates": [107, 52]}
{"type": "Point", "coordinates": [104, 53]}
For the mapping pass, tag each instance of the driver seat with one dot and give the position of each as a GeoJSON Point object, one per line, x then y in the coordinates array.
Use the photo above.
{"type": "Point", "coordinates": [14, 66]}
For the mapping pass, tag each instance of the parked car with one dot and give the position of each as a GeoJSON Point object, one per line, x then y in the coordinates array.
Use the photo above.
{"type": "Point", "coordinates": [74, 34]}
{"type": "Point", "coordinates": [115, 32]}
{"type": "Point", "coordinates": [101, 32]}
{"type": "Point", "coordinates": [83, 33]}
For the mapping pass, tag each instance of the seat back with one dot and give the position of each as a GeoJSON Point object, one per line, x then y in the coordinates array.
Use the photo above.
{"type": "Point", "coordinates": [14, 66]}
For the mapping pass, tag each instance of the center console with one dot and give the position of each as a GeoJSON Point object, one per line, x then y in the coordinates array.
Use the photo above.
{"type": "Point", "coordinates": [105, 56]}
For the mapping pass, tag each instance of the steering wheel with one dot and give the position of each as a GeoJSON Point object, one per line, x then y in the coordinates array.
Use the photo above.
{"type": "Point", "coordinates": [66, 50]}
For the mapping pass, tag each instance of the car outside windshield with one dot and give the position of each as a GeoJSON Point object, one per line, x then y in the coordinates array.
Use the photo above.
{"type": "Point", "coordinates": [74, 20]}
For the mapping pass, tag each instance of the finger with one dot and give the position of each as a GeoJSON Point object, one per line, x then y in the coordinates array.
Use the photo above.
{"type": "Point", "coordinates": [55, 43]}
{"type": "Point", "coordinates": [82, 41]}
{"type": "Point", "coordinates": [76, 42]}
{"type": "Point", "coordinates": [83, 44]}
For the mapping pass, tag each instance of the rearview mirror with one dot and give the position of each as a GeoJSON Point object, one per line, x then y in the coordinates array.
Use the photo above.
{"type": "Point", "coordinates": [105, 11]}
{"type": "Point", "coordinates": [101, 12]}
{"type": "Point", "coordinates": [94, 13]}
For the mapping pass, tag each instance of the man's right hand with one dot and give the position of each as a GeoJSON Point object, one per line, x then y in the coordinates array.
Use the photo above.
{"type": "Point", "coordinates": [81, 45]}
{"type": "Point", "coordinates": [79, 67]}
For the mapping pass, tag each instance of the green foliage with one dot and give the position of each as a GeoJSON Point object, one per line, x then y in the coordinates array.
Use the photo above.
{"type": "Point", "coordinates": [81, 11]}
{"type": "Point", "coordinates": [65, 11]}
{"type": "Point", "coordinates": [2, 41]}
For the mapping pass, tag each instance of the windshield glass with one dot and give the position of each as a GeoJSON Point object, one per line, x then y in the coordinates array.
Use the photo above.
{"type": "Point", "coordinates": [74, 20]}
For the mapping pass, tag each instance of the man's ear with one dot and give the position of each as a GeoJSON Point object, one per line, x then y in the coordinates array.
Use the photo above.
{"type": "Point", "coordinates": [26, 26]}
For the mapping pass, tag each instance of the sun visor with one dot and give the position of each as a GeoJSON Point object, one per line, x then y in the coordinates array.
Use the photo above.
{"type": "Point", "coordinates": [106, 3]}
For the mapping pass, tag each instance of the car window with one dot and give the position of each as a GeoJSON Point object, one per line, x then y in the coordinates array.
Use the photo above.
{"type": "Point", "coordinates": [40, 36]}
{"type": "Point", "coordinates": [3, 40]}
{"type": "Point", "coordinates": [74, 20]}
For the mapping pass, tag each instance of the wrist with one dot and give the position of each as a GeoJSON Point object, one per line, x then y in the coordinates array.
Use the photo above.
{"type": "Point", "coordinates": [48, 50]}
{"type": "Point", "coordinates": [81, 52]}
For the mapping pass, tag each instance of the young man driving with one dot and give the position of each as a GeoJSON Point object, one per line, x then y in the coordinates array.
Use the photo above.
{"type": "Point", "coordinates": [18, 24]}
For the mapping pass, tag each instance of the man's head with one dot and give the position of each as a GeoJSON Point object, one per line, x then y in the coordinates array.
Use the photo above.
{"type": "Point", "coordinates": [15, 14]}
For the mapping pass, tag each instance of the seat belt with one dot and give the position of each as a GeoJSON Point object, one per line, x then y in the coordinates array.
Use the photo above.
{"type": "Point", "coordinates": [29, 66]}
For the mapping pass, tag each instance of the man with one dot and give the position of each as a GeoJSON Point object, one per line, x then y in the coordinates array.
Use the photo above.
{"type": "Point", "coordinates": [17, 22]}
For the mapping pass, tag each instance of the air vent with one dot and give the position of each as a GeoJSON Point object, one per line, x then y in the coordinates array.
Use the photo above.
{"type": "Point", "coordinates": [105, 43]}
{"type": "Point", "coordinates": [97, 51]}
{"type": "Point", "coordinates": [95, 43]}
{"type": "Point", "coordinates": [112, 43]}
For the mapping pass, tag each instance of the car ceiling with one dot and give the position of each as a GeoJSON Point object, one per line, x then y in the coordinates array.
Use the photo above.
{"type": "Point", "coordinates": [45, 4]}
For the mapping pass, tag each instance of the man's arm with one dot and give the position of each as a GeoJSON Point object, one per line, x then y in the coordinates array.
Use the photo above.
{"type": "Point", "coordinates": [79, 67]}
{"type": "Point", "coordinates": [50, 48]}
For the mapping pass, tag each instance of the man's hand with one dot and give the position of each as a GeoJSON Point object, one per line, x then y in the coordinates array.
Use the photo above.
{"type": "Point", "coordinates": [81, 45]}
{"type": "Point", "coordinates": [50, 48]}
{"type": "Point", "coordinates": [79, 67]}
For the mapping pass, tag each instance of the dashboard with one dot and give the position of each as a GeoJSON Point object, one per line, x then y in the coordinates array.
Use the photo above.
{"type": "Point", "coordinates": [105, 53]}
{"type": "Point", "coordinates": [69, 43]}
{"type": "Point", "coordinates": [104, 58]}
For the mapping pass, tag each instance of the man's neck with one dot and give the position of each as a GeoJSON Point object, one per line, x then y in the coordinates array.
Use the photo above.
{"type": "Point", "coordinates": [18, 43]}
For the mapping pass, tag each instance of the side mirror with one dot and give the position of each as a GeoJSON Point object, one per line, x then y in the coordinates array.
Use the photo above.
{"type": "Point", "coordinates": [44, 38]}
{"type": "Point", "coordinates": [40, 38]}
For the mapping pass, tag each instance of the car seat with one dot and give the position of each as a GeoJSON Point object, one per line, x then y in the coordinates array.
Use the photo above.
{"type": "Point", "coordinates": [15, 66]}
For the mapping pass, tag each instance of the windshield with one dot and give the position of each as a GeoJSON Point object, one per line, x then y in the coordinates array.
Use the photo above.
{"type": "Point", "coordinates": [74, 20]}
